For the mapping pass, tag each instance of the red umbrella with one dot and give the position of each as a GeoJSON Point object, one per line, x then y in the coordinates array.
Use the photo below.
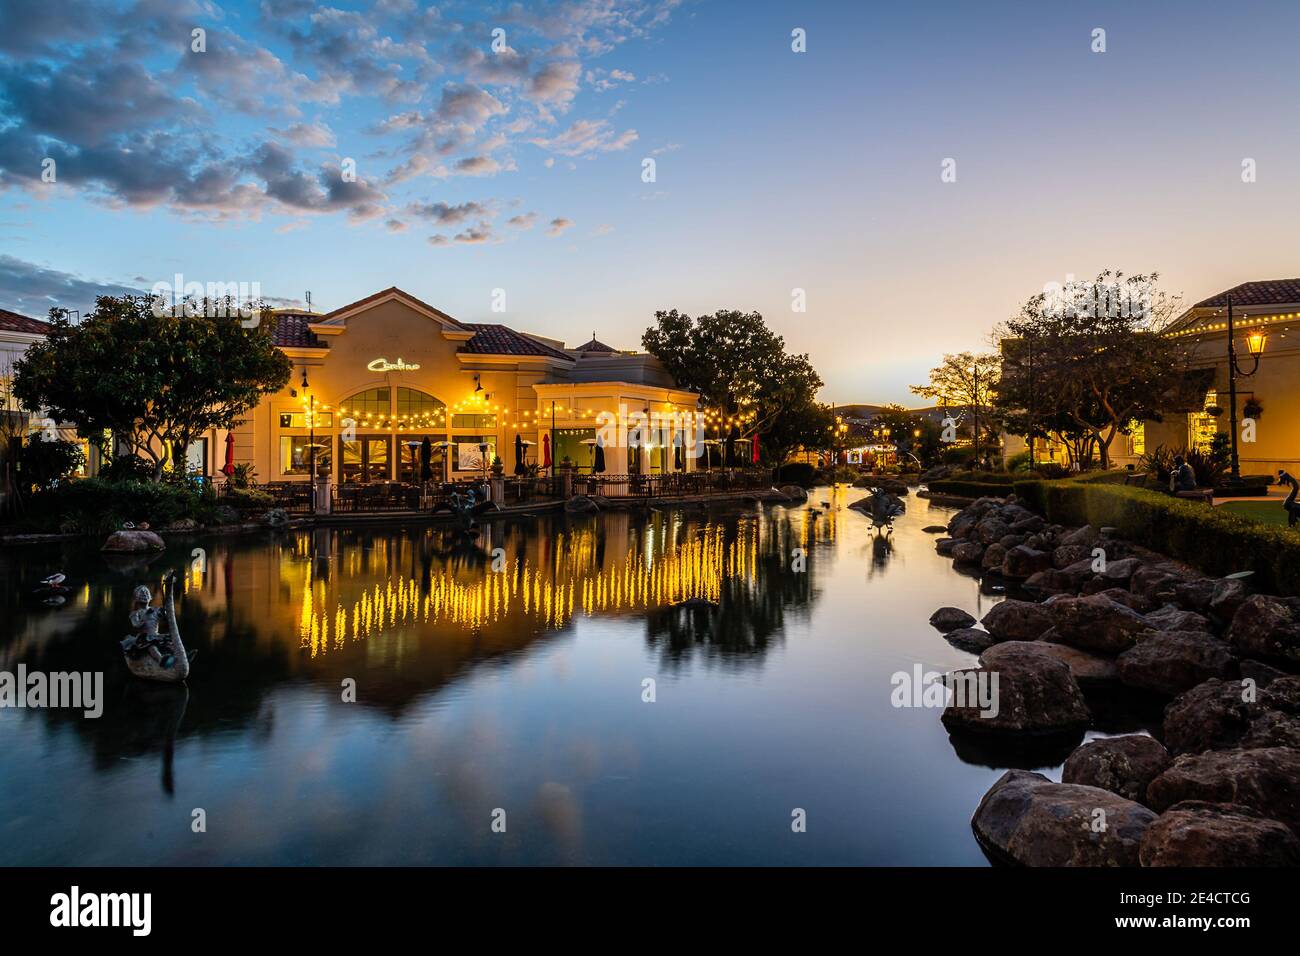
{"type": "Point", "coordinates": [754, 457]}
{"type": "Point", "coordinates": [546, 451]}
{"type": "Point", "coordinates": [228, 468]}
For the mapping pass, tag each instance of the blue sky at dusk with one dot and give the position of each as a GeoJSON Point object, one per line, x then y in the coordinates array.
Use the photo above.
{"type": "Point", "coordinates": [522, 169]}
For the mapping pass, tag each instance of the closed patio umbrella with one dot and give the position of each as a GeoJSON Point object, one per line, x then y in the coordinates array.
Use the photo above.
{"type": "Point", "coordinates": [546, 451]}
{"type": "Point", "coordinates": [677, 454]}
{"type": "Point", "coordinates": [754, 455]}
{"type": "Point", "coordinates": [519, 454]}
{"type": "Point", "coordinates": [228, 468]}
{"type": "Point", "coordinates": [426, 459]}
{"type": "Point", "coordinates": [599, 465]}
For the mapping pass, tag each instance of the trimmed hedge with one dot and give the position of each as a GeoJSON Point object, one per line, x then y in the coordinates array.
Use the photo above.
{"type": "Point", "coordinates": [1215, 541]}
{"type": "Point", "coordinates": [969, 489]}
{"type": "Point", "coordinates": [96, 506]}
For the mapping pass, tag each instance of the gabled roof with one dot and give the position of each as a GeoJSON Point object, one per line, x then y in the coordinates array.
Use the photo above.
{"type": "Point", "coordinates": [392, 292]}
{"type": "Point", "coordinates": [1262, 292]}
{"type": "Point", "coordinates": [293, 330]}
{"type": "Point", "coordinates": [14, 322]}
{"type": "Point", "coordinates": [490, 339]}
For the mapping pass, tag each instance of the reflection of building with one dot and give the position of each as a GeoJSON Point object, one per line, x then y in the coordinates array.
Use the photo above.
{"type": "Point", "coordinates": [389, 370]}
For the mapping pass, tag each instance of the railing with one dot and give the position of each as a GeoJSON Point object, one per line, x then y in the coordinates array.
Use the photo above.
{"type": "Point", "coordinates": [293, 497]}
{"type": "Point", "coordinates": [673, 485]}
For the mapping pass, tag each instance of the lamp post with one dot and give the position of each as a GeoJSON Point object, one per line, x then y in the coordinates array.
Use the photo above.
{"type": "Point", "coordinates": [311, 424]}
{"type": "Point", "coordinates": [1255, 346]}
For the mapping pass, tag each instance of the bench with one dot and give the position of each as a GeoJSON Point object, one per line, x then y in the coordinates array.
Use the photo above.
{"type": "Point", "coordinates": [1205, 495]}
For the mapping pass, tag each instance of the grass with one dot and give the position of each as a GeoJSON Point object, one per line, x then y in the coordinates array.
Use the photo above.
{"type": "Point", "coordinates": [1265, 512]}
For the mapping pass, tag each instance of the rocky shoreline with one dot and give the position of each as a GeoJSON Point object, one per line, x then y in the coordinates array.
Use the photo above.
{"type": "Point", "coordinates": [1217, 780]}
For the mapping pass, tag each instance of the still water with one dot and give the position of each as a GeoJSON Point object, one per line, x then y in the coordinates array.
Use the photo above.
{"type": "Point", "coordinates": [519, 690]}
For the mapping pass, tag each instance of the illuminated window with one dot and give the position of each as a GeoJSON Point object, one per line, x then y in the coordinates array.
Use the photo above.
{"type": "Point", "coordinates": [296, 453]}
{"type": "Point", "coordinates": [374, 401]}
{"type": "Point", "coordinates": [416, 404]}
{"type": "Point", "coordinates": [473, 453]}
{"type": "Point", "coordinates": [1202, 427]}
{"type": "Point", "coordinates": [300, 420]}
{"type": "Point", "coordinates": [1138, 436]}
{"type": "Point", "coordinates": [473, 421]}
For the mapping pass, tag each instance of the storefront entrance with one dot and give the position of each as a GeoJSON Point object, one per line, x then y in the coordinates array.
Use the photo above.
{"type": "Point", "coordinates": [365, 459]}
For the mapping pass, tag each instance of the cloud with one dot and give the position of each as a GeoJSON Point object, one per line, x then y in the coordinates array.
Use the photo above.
{"type": "Point", "coordinates": [32, 290]}
{"type": "Point", "coordinates": [307, 134]}
{"type": "Point", "coordinates": [555, 84]}
{"type": "Point", "coordinates": [558, 225]}
{"type": "Point", "coordinates": [448, 215]}
{"type": "Point", "coordinates": [482, 166]}
{"type": "Point", "coordinates": [480, 233]}
{"type": "Point", "coordinates": [524, 220]}
{"type": "Point", "coordinates": [587, 136]}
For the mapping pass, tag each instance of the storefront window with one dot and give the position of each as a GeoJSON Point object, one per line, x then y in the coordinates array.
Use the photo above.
{"type": "Point", "coordinates": [295, 455]}
{"type": "Point", "coordinates": [1203, 427]}
{"type": "Point", "coordinates": [409, 460]}
{"type": "Point", "coordinates": [365, 459]}
{"type": "Point", "coordinates": [420, 408]}
{"type": "Point", "coordinates": [473, 421]}
{"type": "Point", "coordinates": [473, 453]}
{"type": "Point", "coordinates": [303, 420]}
{"type": "Point", "coordinates": [569, 444]}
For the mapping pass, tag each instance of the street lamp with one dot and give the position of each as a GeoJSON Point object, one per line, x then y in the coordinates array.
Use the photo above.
{"type": "Point", "coordinates": [1255, 342]}
{"type": "Point", "coordinates": [311, 424]}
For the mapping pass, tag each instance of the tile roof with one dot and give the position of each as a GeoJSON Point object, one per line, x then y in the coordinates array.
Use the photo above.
{"type": "Point", "coordinates": [401, 293]}
{"type": "Point", "coordinates": [492, 339]}
{"type": "Point", "coordinates": [1262, 292]}
{"type": "Point", "coordinates": [13, 322]}
{"type": "Point", "coordinates": [595, 345]}
{"type": "Point", "coordinates": [291, 331]}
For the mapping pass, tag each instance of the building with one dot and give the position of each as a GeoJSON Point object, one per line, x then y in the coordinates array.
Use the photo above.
{"type": "Point", "coordinates": [374, 378]}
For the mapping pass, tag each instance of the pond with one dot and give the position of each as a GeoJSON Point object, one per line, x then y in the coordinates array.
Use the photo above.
{"type": "Point", "coordinates": [532, 696]}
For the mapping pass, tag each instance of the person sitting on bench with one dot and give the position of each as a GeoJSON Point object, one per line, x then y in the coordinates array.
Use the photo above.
{"type": "Point", "coordinates": [1183, 477]}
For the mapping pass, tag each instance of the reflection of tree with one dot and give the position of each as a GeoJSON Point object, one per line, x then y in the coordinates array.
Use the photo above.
{"type": "Point", "coordinates": [751, 607]}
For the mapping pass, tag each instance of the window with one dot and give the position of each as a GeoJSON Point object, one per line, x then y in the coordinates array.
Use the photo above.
{"type": "Point", "coordinates": [1204, 426]}
{"type": "Point", "coordinates": [409, 458]}
{"type": "Point", "coordinates": [374, 402]}
{"type": "Point", "coordinates": [416, 404]}
{"type": "Point", "coordinates": [473, 421]}
{"type": "Point", "coordinates": [296, 454]}
{"type": "Point", "coordinates": [470, 453]}
{"type": "Point", "coordinates": [1138, 434]}
{"type": "Point", "coordinates": [365, 459]}
{"type": "Point", "coordinates": [303, 420]}
{"type": "Point", "coordinates": [196, 457]}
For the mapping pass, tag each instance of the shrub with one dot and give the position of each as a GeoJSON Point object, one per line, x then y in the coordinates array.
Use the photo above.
{"type": "Point", "coordinates": [796, 473]}
{"type": "Point", "coordinates": [956, 456]}
{"type": "Point", "coordinates": [95, 506]}
{"type": "Point", "coordinates": [247, 499]}
{"type": "Point", "coordinates": [1019, 462]}
{"type": "Point", "coordinates": [1215, 541]}
{"type": "Point", "coordinates": [969, 489]}
{"type": "Point", "coordinates": [127, 468]}
{"type": "Point", "coordinates": [44, 462]}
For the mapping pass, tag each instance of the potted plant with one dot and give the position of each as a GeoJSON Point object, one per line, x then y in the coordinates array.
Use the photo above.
{"type": "Point", "coordinates": [1253, 408]}
{"type": "Point", "coordinates": [498, 466]}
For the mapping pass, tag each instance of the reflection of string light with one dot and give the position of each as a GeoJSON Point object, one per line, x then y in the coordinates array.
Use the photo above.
{"type": "Point", "coordinates": [572, 584]}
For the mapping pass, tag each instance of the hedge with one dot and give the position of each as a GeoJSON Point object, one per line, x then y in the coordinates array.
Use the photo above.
{"type": "Point", "coordinates": [1215, 541]}
{"type": "Point", "coordinates": [969, 489]}
{"type": "Point", "coordinates": [96, 506]}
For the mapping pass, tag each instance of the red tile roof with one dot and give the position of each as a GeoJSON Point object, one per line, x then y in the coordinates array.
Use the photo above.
{"type": "Point", "coordinates": [499, 340]}
{"type": "Point", "coordinates": [1263, 292]}
{"type": "Point", "coordinates": [13, 322]}
{"type": "Point", "coordinates": [392, 290]}
{"type": "Point", "coordinates": [291, 331]}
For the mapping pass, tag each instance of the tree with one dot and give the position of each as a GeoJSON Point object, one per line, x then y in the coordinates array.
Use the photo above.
{"type": "Point", "coordinates": [43, 462]}
{"type": "Point", "coordinates": [154, 379]}
{"type": "Point", "coordinates": [964, 381]}
{"type": "Point", "coordinates": [912, 433]}
{"type": "Point", "coordinates": [740, 369]}
{"type": "Point", "coordinates": [800, 427]}
{"type": "Point", "coordinates": [1088, 361]}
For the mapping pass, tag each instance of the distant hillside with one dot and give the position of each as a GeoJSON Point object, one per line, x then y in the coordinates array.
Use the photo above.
{"type": "Point", "coordinates": [871, 411]}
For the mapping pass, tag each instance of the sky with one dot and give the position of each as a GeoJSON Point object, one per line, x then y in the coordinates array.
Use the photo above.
{"type": "Point", "coordinates": [457, 149]}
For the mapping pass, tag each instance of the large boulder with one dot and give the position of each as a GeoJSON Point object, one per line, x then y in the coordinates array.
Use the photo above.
{"type": "Point", "coordinates": [1228, 597]}
{"type": "Point", "coordinates": [133, 541]}
{"type": "Point", "coordinates": [1197, 833]}
{"type": "Point", "coordinates": [1195, 594]}
{"type": "Point", "coordinates": [1032, 694]}
{"type": "Point", "coordinates": [1265, 779]}
{"type": "Point", "coordinates": [1090, 670]}
{"type": "Point", "coordinates": [1215, 715]}
{"type": "Point", "coordinates": [1027, 819]}
{"type": "Point", "coordinates": [1046, 582]}
{"type": "Point", "coordinates": [1158, 582]}
{"type": "Point", "coordinates": [1068, 554]}
{"type": "Point", "coordinates": [968, 552]}
{"type": "Point", "coordinates": [993, 557]}
{"type": "Point", "coordinates": [1086, 536]}
{"type": "Point", "coordinates": [1013, 620]}
{"type": "Point", "coordinates": [1268, 627]}
{"type": "Point", "coordinates": [796, 493]}
{"type": "Point", "coordinates": [945, 546]}
{"type": "Point", "coordinates": [581, 505]}
{"type": "Point", "coordinates": [1130, 600]}
{"type": "Point", "coordinates": [970, 639]}
{"type": "Point", "coordinates": [1119, 573]}
{"type": "Point", "coordinates": [1171, 617]}
{"type": "Point", "coordinates": [1023, 562]}
{"type": "Point", "coordinates": [991, 529]}
{"type": "Point", "coordinates": [1170, 662]}
{"type": "Point", "coordinates": [950, 618]}
{"type": "Point", "coordinates": [1096, 623]}
{"type": "Point", "coordinates": [1123, 765]}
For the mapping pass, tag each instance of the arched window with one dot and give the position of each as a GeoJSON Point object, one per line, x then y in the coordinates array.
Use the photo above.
{"type": "Point", "coordinates": [373, 402]}
{"type": "Point", "coordinates": [420, 409]}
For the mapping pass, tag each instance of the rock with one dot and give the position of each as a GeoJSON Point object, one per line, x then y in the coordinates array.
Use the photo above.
{"type": "Point", "coordinates": [1096, 623]}
{"type": "Point", "coordinates": [1172, 618]}
{"type": "Point", "coordinates": [275, 518]}
{"type": "Point", "coordinates": [224, 514]}
{"type": "Point", "coordinates": [1086, 536]}
{"type": "Point", "coordinates": [1068, 554]}
{"type": "Point", "coordinates": [994, 555]}
{"type": "Point", "coordinates": [1214, 715]}
{"type": "Point", "coordinates": [1195, 594]}
{"type": "Point", "coordinates": [970, 639]}
{"type": "Point", "coordinates": [1090, 670]}
{"type": "Point", "coordinates": [1010, 541]}
{"type": "Point", "coordinates": [1197, 833]}
{"type": "Point", "coordinates": [945, 546]}
{"type": "Point", "coordinates": [1095, 585]}
{"type": "Point", "coordinates": [1157, 582]}
{"type": "Point", "coordinates": [1228, 597]}
{"type": "Point", "coordinates": [1170, 662]}
{"type": "Point", "coordinates": [1262, 674]}
{"type": "Point", "coordinates": [935, 529]}
{"type": "Point", "coordinates": [1268, 628]}
{"type": "Point", "coordinates": [133, 541]}
{"type": "Point", "coordinates": [1123, 765]}
{"type": "Point", "coordinates": [183, 524]}
{"type": "Point", "coordinates": [1012, 620]}
{"type": "Point", "coordinates": [581, 505]}
{"type": "Point", "coordinates": [1032, 694]}
{"type": "Point", "coordinates": [950, 619]}
{"type": "Point", "coordinates": [1130, 600]}
{"type": "Point", "coordinates": [1027, 819]}
{"type": "Point", "coordinates": [968, 552]}
{"type": "Point", "coordinates": [1267, 780]}
{"type": "Point", "coordinates": [1046, 582]}
{"type": "Point", "coordinates": [1029, 525]}
{"type": "Point", "coordinates": [1120, 572]}
{"type": "Point", "coordinates": [991, 529]}
{"type": "Point", "coordinates": [796, 493]}
{"type": "Point", "coordinates": [1023, 562]}
{"type": "Point", "coordinates": [1080, 573]}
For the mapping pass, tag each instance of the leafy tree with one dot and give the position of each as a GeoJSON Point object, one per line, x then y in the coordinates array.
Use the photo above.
{"type": "Point", "coordinates": [965, 382]}
{"type": "Point", "coordinates": [154, 379]}
{"type": "Point", "coordinates": [808, 426]}
{"type": "Point", "coordinates": [44, 462]}
{"type": "Point", "coordinates": [912, 433]}
{"type": "Point", "coordinates": [741, 369]}
{"type": "Point", "coordinates": [1087, 364]}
